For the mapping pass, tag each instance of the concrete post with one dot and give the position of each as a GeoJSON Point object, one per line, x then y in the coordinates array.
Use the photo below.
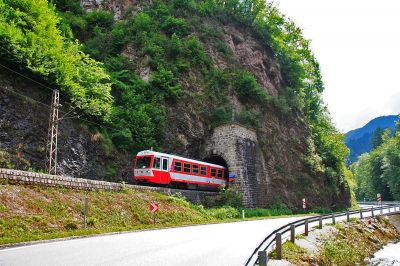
{"type": "Point", "coordinates": [333, 218]}
{"type": "Point", "coordinates": [361, 214]}
{"type": "Point", "coordinates": [320, 222]}
{"type": "Point", "coordinates": [292, 233]}
{"type": "Point", "coordinates": [306, 227]}
{"type": "Point", "coordinates": [278, 246]}
{"type": "Point", "coordinates": [262, 258]}
{"type": "Point", "coordinates": [85, 206]}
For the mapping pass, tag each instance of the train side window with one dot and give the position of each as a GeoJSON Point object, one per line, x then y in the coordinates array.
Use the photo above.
{"type": "Point", "coordinates": [219, 173]}
{"type": "Point", "coordinates": [195, 169]}
{"type": "Point", "coordinates": [178, 166]}
{"type": "Point", "coordinates": [203, 170]}
{"type": "Point", "coordinates": [213, 172]}
{"type": "Point", "coordinates": [186, 168]}
{"type": "Point", "coordinates": [157, 163]}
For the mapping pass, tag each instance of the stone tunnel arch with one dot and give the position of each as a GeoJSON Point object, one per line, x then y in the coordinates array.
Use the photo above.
{"type": "Point", "coordinates": [237, 147]}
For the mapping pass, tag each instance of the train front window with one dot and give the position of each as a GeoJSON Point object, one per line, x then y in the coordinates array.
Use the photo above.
{"type": "Point", "coordinates": [143, 162]}
{"type": "Point", "coordinates": [157, 163]}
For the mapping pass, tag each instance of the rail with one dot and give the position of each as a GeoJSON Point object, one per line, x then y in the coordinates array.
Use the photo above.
{"type": "Point", "coordinates": [275, 239]}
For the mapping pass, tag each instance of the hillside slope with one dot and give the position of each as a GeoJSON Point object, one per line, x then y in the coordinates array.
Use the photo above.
{"type": "Point", "coordinates": [177, 70]}
{"type": "Point", "coordinates": [359, 140]}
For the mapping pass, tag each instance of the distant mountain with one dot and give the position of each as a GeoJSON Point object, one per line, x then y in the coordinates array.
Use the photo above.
{"type": "Point", "coordinates": [359, 140]}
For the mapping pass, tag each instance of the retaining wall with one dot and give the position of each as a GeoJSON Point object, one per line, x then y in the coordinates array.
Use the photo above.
{"type": "Point", "coordinates": [39, 179]}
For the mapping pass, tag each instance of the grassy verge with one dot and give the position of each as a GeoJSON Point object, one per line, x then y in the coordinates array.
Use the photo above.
{"type": "Point", "coordinates": [36, 213]}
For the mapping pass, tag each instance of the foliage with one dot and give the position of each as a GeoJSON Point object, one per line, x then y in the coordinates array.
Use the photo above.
{"type": "Point", "coordinates": [379, 171]}
{"type": "Point", "coordinates": [151, 55]}
{"type": "Point", "coordinates": [30, 36]}
{"type": "Point", "coordinates": [274, 210]}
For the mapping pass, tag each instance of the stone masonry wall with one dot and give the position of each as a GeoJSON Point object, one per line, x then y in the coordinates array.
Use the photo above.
{"type": "Point", "coordinates": [30, 178]}
{"type": "Point", "coordinates": [238, 146]}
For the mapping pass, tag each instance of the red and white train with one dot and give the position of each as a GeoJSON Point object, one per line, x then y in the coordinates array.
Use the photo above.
{"type": "Point", "coordinates": [166, 169]}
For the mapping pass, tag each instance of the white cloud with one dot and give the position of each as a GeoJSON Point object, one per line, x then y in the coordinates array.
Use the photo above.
{"type": "Point", "coordinates": [358, 46]}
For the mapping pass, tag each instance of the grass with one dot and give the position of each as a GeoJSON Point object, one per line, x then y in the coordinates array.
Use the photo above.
{"type": "Point", "coordinates": [37, 213]}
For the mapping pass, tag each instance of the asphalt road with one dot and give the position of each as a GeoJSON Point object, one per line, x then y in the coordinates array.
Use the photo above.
{"type": "Point", "coordinates": [227, 244]}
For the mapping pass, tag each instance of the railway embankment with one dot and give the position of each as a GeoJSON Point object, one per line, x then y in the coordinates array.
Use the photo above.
{"type": "Point", "coordinates": [345, 243]}
{"type": "Point", "coordinates": [29, 213]}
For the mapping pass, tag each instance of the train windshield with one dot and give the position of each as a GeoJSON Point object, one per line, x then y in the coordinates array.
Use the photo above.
{"type": "Point", "coordinates": [143, 162]}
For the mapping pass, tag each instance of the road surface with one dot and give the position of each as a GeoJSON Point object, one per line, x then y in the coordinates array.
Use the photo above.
{"type": "Point", "coordinates": [227, 244]}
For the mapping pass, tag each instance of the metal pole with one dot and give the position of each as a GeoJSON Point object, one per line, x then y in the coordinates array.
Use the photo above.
{"type": "Point", "coordinates": [262, 258]}
{"type": "Point", "coordinates": [320, 222]}
{"type": "Point", "coordinates": [51, 154]}
{"type": "Point", "coordinates": [278, 246]}
{"type": "Point", "coordinates": [292, 233]}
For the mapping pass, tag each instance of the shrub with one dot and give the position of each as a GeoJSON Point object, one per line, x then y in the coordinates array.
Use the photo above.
{"type": "Point", "coordinates": [70, 225]}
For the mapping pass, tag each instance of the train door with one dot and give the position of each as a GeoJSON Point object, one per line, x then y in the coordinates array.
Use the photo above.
{"type": "Point", "coordinates": [165, 177]}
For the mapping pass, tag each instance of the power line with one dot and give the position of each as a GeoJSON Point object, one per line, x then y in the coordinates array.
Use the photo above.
{"type": "Point", "coordinates": [48, 106]}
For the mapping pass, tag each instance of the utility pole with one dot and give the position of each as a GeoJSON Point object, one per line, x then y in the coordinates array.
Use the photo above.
{"type": "Point", "coordinates": [51, 162]}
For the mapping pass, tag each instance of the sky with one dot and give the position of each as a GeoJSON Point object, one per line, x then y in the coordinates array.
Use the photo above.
{"type": "Point", "coordinates": [357, 43]}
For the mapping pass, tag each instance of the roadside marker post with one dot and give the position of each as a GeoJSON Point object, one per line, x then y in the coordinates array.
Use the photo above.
{"type": "Point", "coordinates": [85, 207]}
{"type": "Point", "coordinates": [304, 204]}
{"type": "Point", "coordinates": [154, 210]}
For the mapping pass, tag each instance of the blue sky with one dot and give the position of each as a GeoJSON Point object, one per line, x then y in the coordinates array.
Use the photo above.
{"type": "Point", "coordinates": [357, 43]}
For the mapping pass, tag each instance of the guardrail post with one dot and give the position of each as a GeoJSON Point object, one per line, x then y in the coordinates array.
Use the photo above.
{"type": "Point", "coordinates": [372, 212]}
{"type": "Point", "coordinates": [306, 227]}
{"type": "Point", "coordinates": [348, 216]}
{"type": "Point", "coordinates": [333, 218]}
{"type": "Point", "coordinates": [292, 233]}
{"type": "Point", "coordinates": [262, 258]}
{"type": "Point", "coordinates": [278, 246]}
{"type": "Point", "coordinates": [361, 214]}
{"type": "Point", "coordinates": [320, 222]}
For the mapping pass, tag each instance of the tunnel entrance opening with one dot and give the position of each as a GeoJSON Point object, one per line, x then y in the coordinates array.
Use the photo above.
{"type": "Point", "coordinates": [218, 160]}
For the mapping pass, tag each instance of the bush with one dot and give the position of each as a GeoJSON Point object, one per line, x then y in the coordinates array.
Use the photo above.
{"type": "Point", "coordinates": [224, 213]}
{"type": "Point", "coordinates": [70, 225]}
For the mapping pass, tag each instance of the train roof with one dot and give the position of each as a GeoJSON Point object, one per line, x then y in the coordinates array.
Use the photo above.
{"type": "Point", "coordinates": [149, 152]}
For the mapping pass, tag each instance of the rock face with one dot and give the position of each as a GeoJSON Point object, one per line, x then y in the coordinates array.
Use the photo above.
{"type": "Point", "coordinates": [24, 123]}
{"type": "Point", "coordinates": [268, 161]}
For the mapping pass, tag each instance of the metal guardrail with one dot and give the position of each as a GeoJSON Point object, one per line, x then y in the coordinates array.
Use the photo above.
{"type": "Point", "coordinates": [260, 254]}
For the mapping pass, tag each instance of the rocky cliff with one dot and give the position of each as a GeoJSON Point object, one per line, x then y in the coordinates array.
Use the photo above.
{"type": "Point", "coordinates": [275, 167]}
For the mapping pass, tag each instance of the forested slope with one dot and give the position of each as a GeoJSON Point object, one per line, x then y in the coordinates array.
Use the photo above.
{"type": "Point", "coordinates": [164, 74]}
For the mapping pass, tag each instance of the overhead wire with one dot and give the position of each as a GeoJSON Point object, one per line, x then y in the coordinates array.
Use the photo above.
{"type": "Point", "coordinates": [46, 105]}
